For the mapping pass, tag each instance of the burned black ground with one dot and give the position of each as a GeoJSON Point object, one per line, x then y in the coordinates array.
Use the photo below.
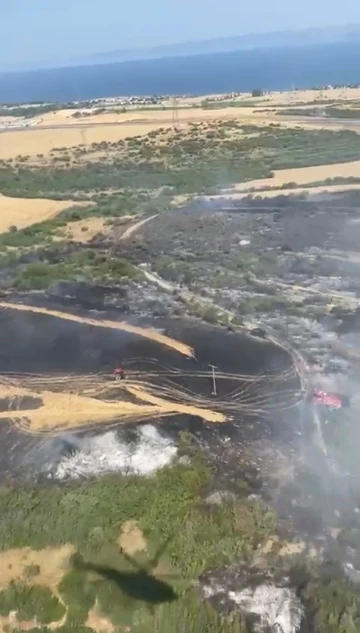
{"type": "Point", "coordinates": [290, 264]}
{"type": "Point", "coordinates": [50, 346]}
{"type": "Point", "coordinates": [39, 344]}
{"type": "Point", "coordinates": [243, 259]}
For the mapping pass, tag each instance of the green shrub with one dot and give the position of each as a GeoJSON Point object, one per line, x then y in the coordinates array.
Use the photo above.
{"type": "Point", "coordinates": [31, 602]}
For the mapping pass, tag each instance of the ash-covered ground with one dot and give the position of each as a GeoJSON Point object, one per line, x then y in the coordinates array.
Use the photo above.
{"type": "Point", "coordinates": [253, 373]}
{"type": "Point", "coordinates": [243, 451]}
{"type": "Point", "coordinates": [287, 266]}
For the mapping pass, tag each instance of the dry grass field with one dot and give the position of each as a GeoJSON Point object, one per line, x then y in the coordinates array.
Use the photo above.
{"type": "Point", "coordinates": [22, 212]}
{"type": "Point", "coordinates": [303, 176]}
{"type": "Point", "coordinates": [62, 129]}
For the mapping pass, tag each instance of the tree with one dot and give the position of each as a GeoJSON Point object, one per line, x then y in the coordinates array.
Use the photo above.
{"type": "Point", "coordinates": [257, 92]}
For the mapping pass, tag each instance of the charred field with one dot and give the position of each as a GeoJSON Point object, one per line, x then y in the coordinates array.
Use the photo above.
{"type": "Point", "coordinates": [41, 352]}
{"type": "Point", "coordinates": [194, 490]}
{"type": "Point", "coordinates": [249, 488]}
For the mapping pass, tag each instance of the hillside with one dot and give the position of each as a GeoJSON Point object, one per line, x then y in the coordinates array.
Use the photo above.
{"type": "Point", "coordinates": [246, 41]}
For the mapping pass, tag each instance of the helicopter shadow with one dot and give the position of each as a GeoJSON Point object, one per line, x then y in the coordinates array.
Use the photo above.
{"type": "Point", "coordinates": [140, 584]}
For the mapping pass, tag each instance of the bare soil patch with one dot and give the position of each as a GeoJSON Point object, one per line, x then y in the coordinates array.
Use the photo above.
{"type": "Point", "coordinates": [83, 231]}
{"type": "Point", "coordinates": [51, 565]}
{"type": "Point", "coordinates": [131, 539]}
{"type": "Point", "coordinates": [98, 622]}
{"type": "Point", "coordinates": [292, 549]}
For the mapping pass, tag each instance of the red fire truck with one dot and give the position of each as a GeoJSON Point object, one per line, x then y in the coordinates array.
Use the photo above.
{"type": "Point", "coordinates": [324, 399]}
{"type": "Point", "coordinates": [119, 373]}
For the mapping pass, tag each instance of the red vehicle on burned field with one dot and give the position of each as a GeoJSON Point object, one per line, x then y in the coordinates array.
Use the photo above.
{"type": "Point", "coordinates": [329, 400]}
{"type": "Point", "coordinates": [119, 373]}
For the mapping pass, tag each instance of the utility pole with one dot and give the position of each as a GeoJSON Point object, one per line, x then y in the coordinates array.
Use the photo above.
{"type": "Point", "coordinates": [175, 113]}
{"type": "Point", "coordinates": [213, 367]}
{"type": "Point", "coordinates": [292, 93]}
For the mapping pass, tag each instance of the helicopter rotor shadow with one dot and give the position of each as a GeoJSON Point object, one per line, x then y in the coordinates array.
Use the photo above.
{"type": "Point", "coordinates": [140, 584]}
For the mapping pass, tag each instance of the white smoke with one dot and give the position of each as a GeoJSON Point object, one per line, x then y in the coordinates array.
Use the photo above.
{"type": "Point", "coordinates": [109, 453]}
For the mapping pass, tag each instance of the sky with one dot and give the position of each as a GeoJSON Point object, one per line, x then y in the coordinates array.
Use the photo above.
{"type": "Point", "coordinates": [45, 32]}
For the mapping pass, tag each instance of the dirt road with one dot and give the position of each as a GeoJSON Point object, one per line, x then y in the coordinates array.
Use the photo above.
{"type": "Point", "coordinates": [45, 135]}
{"type": "Point", "coordinates": [196, 115]}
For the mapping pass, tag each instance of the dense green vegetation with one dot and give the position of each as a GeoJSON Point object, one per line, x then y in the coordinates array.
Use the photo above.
{"type": "Point", "coordinates": [31, 235]}
{"type": "Point", "coordinates": [142, 175]}
{"type": "Point", "coordinates": [191, 535]}
{"type": "Point", "coordinates": [336, 606]}
{"type": "Point", "coordinates": [56, 262]}
{"type": "Point", "coordinates": [30, 602]}
{"type": "Point", "coordinates": [206, 157]}
{"type": "Point", "coordinates": [169, 511]}
{"type": "Point", "coordinates": [84, 265]}
{"type": "Point", "coordinates": [167, 505]}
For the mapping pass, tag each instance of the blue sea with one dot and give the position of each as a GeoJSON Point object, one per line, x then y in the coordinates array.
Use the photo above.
{"type": "Point", "coordinates": [267, 69]}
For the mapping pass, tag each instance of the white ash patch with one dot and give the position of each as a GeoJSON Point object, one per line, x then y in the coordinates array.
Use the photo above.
{"type": "Point", "coordinates": [269, 605]}
{"type": "Point", "coordinates": [110, 452]}
{"type": "Point", "coordinates": [220, 496]}
{"type": "Point", "coordinates": [277, 607]}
